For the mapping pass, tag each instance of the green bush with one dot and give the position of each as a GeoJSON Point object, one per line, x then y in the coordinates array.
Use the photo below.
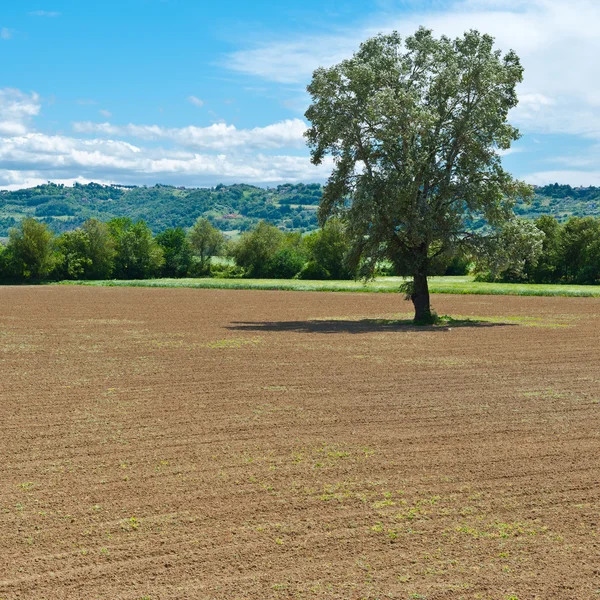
{"type": "Point", "coordinates": [314, 270]}
{"type": "Point", "coordinates": [329, 248]}
{"type": "Point", "coordinates": [226, 271]}
{"type": "Point", "coordinates": [177, 252]}
{"type": "Point", "coordinates": [255, 249]}
{"type": "Point", "coordinates": [510, 252]}
{"type": "Point", "coordinates": [570, 253]}
{"type": "Point", "coordinates": [138, 256]}
{"type": "Point", "coordinates": [73, 255]}
{"type": "Point", "coordinates": [285, 264]}
{"type": "Point", "coordinates": [580, 250]}
{"type": "Point", "coordinates": [267, 252]}
{"type": "Point", "coordinates": [459, 265]}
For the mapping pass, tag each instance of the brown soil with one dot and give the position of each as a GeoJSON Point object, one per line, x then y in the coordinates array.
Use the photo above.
{"type": "Point", "coordinates": [173, 443]}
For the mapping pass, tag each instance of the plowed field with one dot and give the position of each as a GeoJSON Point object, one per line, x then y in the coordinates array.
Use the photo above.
{"type": "Point", "coordinates": [173, 443]}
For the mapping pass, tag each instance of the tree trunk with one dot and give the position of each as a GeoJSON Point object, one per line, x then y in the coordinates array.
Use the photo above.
{"type": "Point", "coordinates": [420, 300]}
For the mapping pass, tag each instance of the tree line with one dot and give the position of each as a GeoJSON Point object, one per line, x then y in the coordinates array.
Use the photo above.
{"type": "Point", "coordinates": [124, 249]}
{"type": "Point", "coordinates": [546, 251]}
{"type": "Point", "coordinates": [541, 251]}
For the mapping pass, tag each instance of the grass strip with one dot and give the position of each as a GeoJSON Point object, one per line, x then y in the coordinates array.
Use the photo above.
{"type": "Point", "coordinates": [437, 285]}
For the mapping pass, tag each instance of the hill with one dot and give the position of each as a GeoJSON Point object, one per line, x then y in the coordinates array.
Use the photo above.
{"type": "Point", "coordinates": [231, 208]}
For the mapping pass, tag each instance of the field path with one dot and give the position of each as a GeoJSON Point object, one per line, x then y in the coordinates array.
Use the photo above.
{"type": "Point", "coordinates": [215, 444]}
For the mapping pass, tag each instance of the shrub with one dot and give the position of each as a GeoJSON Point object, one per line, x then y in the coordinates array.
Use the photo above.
{"type": "Point", "coordinates": [580, 250]}
{"type": "Point", "coordinates": [329, 247]}
{"type": "Point", "coordinates": [314, 270]}
{"type": "Point", "coordinates": [285, 264]}
{"type": "Point", "coordinates": [459, 265]}
{"type": "Point", "coordinates": [256, 248]}
{"type": "Point", "coordinates": [226, 271]}
{"type": "Point", "coordinates": [507, 256]}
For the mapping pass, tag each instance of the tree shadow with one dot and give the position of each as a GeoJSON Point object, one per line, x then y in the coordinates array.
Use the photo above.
{"type": "Point", "coordinates": [359, 326]}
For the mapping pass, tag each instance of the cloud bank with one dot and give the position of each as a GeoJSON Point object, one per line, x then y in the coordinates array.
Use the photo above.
{"type": "Point", "coordinates": [219, 136]}
{"type": "Point", "coordinates": [195, 155]}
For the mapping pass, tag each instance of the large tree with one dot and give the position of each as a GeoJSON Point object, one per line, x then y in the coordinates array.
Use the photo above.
{"type": "Point", "coordinates": [87, 252]}
{"type": "Point", "coordinates": [137, 255]}
{"type": "Point", "coordinates": [416, 130]}
{"type": "Point", "coordinates": [206, 241]}
{"type": "Point", "coordinates": [30, 251]}
{"type": "Point", "coordinates": [177, 252]}
{"type": "Point", "coordinates": [100, 249]}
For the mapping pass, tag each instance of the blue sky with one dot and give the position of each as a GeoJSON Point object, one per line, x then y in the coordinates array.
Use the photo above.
{"type": "Point", "coordinates": [195, 93]}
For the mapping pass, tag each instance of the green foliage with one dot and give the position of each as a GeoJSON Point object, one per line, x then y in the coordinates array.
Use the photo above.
{"type": "Point", "coordinates": [545, 253]}
{"type": "Point", "coordinates": [256, 248]}
{"type": "Point", "coordinates": [460, 264]}
{"type": "Point", "coordinates": [553, 252]}
{"type": "Point", "coordinates": [314, 270]}
{"type": "Point", "coordinates": [285, 263]}
{"type": "Point", "coordinates": [236, 207]}
{"type": "Point", "coordinates": [269, 253]}
{"type": "Point", "coordinates": [506, 255]}
{"type": "Point", "coordinates": [138, 256]}
{"type": "Point", "coordinates": [415, 129]}
{"type": "Point", "coordinates": [580, 251]}
{"type": "Point", "coordinates": [73, 261]}
{"type": "Point", "coordinates": [547, 269]}
{"type": "Point", "coordinates": [570, 253]}
{"type": "Point", "coordinates": [206, 241]}
{"type": "Point", "coordinates": [328, 249]}
{"type": "Point", "coordinates": [85, 253]}
{"type": "Point", "coordinates": [100, 249]}
{"type": "Point", "coordinates": [177, 252]}
{"type": "Point", "coordinates": [29, 254]}
{"type": "Point", "coordinates": [226, 270]}
{"type": "Point", "coordinates": [3, 262]}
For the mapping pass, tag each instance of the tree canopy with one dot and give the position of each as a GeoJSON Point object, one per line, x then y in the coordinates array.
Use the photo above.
{"type": "Point", "coordinates": [206, 241]}
{"type": "Point", "coordinates": [416, 129]}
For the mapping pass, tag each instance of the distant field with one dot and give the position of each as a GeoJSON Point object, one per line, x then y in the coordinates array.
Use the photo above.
{"type": "Point", "coordinates": [180, 444]}
{"type": "Point", "coordinates": [437, 285]}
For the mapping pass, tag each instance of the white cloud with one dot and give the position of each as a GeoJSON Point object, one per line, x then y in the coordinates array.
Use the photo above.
{"type": "Point", "coordinates": [556, 40]}
{"type": "Point", "coordinates": [36, 156]}
{"type": "Point", "coordinates": [17, 109]}
{"type": "Point", "coordinates": [571, 177]}
{"type": "Point", "coordinates": [511, 151]}
{"type": "Point", "coordinates": [6, 33]}
{"type": "Point", "coordinates": [44, 13]}
{"type": "Point", "coordinates": [218, 137]}
{"type": "Point", "coordinates": [16, 180]}
{"type": "Point", "coordinates": [195, 101]}
{"type": "Point", "coordinates": [195, 156]}
{"type": "Point", "coordinates": [105, 113]}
